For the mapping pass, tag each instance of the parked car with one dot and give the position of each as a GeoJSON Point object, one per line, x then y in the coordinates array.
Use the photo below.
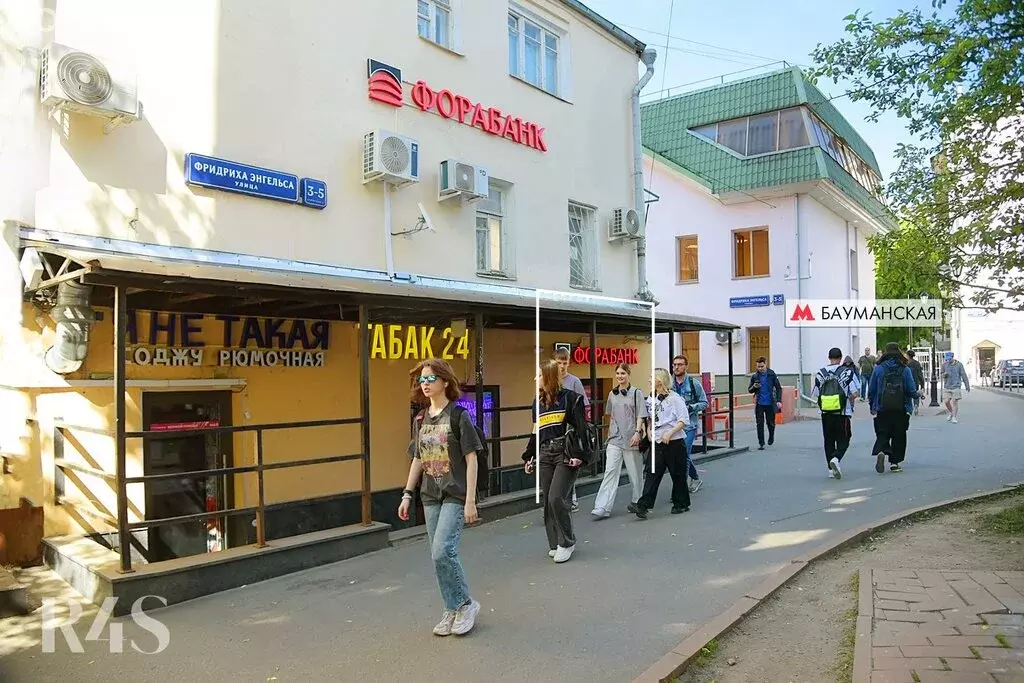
{"type": "Point", "coordinates": [1008, 373]}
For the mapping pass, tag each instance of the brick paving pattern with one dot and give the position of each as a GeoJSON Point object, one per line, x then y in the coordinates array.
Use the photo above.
{"type": "Point", "coordinates": [940, 627]}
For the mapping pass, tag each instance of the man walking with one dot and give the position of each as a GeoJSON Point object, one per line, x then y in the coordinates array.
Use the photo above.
{"type": "Point", "coordinates": [767, 391]}
{"type": "Point", "coordinates": [696, 401]}
{"type": "Point", "coordinates": [572, 383]}
{"type": "Point", "coordinates": [836, 389]}
{"type": "Point", "coordinates": [867, 366]}
{"type": "Point", "coordinates": [954, 380]}
{"type": "Point", "coordinates": [892, 393]}
{"type": "Point", "coordinates": [918, 372]}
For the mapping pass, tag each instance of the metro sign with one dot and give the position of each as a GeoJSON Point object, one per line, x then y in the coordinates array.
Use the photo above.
{"type": "Point", "coordinates": [385, 86]}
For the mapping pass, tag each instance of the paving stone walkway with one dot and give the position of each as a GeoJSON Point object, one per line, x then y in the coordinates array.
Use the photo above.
{"type": "Point", "coordinates": [918, 626]}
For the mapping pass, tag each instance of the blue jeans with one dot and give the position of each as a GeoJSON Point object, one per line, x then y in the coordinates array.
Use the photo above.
{"type": "Point", "coordinates": [865, 380]}
{"type": "Point", "coordinates": [444, 531]}
{"type": "Point", "coordinates": [691, 434]}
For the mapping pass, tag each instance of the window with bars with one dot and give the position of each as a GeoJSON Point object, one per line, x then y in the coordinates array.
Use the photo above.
{"type": "Point", "coordinates": [583, 247]}
{"type": "Point", "coordinates": [434, 21]}
{"type": "Point", "coordinates": [533, 53]}
{"type": "Point", "coordinates": [493, 256]}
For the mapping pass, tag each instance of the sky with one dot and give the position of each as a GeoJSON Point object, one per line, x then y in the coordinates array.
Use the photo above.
{"type": "Point", "coordinates": [710, 39]}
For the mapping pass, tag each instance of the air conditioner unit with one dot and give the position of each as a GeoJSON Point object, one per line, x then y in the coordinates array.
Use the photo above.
{"type": "Point", "coordinates": [457, 179]}
{"type": "Point", "coordinates": [77, 81]}
{"type": "Point", "coordinates": [390, 158]}
{"type": "Point", "coordinates": [722, 338]}
{"type": "Point", "coordinates": [624, 223]}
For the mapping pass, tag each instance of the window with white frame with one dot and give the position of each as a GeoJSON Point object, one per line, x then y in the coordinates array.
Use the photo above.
{"type": "Point", "coordinates": [493, 256]}
{"type": "Point", "coordinates": [533, 53]}
{"type": "Point", "coordinates": [434, 21]}
{"type": "Point", "coordinates": [583, 247]}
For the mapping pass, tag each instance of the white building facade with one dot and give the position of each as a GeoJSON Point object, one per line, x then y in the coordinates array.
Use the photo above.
{"type": "Point", "coordinates": [760, 199]}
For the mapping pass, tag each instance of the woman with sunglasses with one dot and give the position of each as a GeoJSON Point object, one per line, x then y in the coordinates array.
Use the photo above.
{"type": "Point", "coordinates": [554, 410]}
{"type": "Point", "coordinates": [627, 408]}
{"type": "Point", "coordinates": [445, 468]}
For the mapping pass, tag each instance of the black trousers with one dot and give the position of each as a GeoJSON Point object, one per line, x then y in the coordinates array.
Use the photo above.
{"type": "Point", "coordinates": [671, 457]}
{"type": "Point", "coordinates": [765, 414]}
{"type": "Point", "coordinates": [891, 435]}
{"type": "Point", "coordinates": [837, 431]}
{"type": "Point", "coordinates": [556, 482]}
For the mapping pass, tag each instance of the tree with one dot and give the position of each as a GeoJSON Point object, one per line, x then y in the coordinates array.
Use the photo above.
{"type": "Point", "coordinates": [906, 266]}
{"type": "Point", "coordinates": [958, 81]}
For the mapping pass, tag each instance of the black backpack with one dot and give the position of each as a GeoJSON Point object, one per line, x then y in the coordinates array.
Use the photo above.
{"type": "Point", "coordinates": [893, 391]}
{"type": "Point", "coordinates": [581, 444]}
{"type": "Point", "coordinates": [483, 470]}
{"type": "Point", "coordinates": [831, 397]}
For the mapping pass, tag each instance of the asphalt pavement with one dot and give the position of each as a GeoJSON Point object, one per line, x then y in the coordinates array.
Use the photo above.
{"type": "Point", "coordinates": [631, 592]}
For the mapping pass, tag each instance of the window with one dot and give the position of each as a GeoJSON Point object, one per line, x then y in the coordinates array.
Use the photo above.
{"type": "Point", "coordinates": [691, 349]}
{"type": "Point", "coordinates": [751, 252]}
{"type": "Point", "coordinates": [709, 132]}
{"type": "Point", "coordinates": [792, 132]}
{"type": "Point", "coordinates": [733, 134]}
{"type": "Point", "coordinates": [533, 53]}
{"type": "Point", "coordinates": [854, 279]}
{"type": "Point", "coordinates": [491, 253]}
{"type": "Point", "coordinates": [434, 21]}
{"type": "Point", "coordinates": [687, 253]}
{"type": "Point", "coordinates": [583, 246]}
{"type": "Point", "coordinates": [763, 134]}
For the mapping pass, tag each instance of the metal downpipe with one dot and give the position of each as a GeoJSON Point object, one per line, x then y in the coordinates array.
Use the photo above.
{"type": "Point", "coordinates": [643, 291]}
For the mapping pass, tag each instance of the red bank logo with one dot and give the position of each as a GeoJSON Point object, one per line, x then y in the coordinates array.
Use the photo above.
{"type": "Point", "coordinates": [385, 83]}
{"type": "Point", "coordinates": [802, 313]}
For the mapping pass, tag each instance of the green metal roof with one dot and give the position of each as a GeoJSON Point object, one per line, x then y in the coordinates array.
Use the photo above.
{"type": "Point", "coordinates": [666, 128]}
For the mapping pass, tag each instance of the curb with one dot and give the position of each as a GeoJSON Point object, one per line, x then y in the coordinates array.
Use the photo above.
{"type": "Point", "coordinates": [862, 643]}
{"type": "Point", "coordinates": [676, 660]}
{"type": "Point", "coordinates": [1001, 392]}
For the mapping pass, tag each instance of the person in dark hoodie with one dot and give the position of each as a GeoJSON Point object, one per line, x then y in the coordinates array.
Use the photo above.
{"type": "Point", "coordinates": [918, 372]}
{"type": "Point", "coordinates": [892, 394]}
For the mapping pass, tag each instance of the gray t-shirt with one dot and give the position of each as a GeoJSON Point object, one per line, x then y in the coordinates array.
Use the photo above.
{"type": "Point", "coordinates": [573, 383]}
{"type": "Point", "coordinates": [444, 462]}
{"type": "Point", "coordinates": [624, 409]}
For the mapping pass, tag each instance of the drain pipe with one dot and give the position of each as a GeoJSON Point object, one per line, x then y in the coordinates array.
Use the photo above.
{"type": "Point", "coordinates": [643, 291]}
{"type": "Point", "coordinates": [800, 328]}
{"type": "Point", "coordinates": [73, 316]}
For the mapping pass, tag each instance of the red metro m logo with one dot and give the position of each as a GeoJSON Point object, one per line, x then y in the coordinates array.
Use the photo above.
{"type": "Point", "coordinates": [802, 313]}
{"type": "Point", "coordinates": [385, 83]}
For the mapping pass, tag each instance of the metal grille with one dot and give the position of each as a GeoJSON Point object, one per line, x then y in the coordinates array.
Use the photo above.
{"type": "Point", "coordinates": [583, 246]}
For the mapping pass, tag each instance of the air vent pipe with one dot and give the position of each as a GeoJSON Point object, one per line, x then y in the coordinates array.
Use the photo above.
{"type": "Point", "coordinates": [73, 316]}
{"type": "Point", "coordinates": [643, 291]}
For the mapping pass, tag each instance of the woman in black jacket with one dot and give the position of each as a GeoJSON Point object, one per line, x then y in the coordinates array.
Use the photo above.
{"type": "Point", "coordinates": [560, 459]}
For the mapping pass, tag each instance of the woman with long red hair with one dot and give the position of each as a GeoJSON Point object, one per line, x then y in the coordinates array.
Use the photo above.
{"type": "Point", "coordinates": [556, 412]}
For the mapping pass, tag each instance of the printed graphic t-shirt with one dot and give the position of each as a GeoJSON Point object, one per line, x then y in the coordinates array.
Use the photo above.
{"type": "Point", "coordinates": [444, 461]}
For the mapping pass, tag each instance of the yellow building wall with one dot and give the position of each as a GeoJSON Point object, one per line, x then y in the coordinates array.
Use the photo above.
{"type": "Point", "coordinates": [268, 395]}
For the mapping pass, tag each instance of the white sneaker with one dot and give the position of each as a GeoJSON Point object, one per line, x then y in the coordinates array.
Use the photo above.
{"type": "Point", "coordinates": [833, 466]}
{"type": "Point", "coordinates": [551, 553]}
{"type": "Point", "coordinates": [600, 512]}
{"type": "Point", "coordinates": [465, 617]}
{"type": "Point", "coordinates": [953, 420]}
{"type": "Point", "coordinates": [444, 627]}
{"type": "Point", "coordinates": [831, 475]}
{"type": "Point", "coordinates": [563, 554]}
{"type": "Point", "coordinates": [949, 417]}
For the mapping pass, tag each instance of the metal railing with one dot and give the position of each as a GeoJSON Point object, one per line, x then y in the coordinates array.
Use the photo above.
{"type": "Point", "coordinates": [120, 479]}
{"type": "Point", "coordinates": [1009, 382]}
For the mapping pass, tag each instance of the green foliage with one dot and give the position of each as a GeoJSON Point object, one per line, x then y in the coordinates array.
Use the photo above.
{"type": "Point", "coordinates": [906, 266]}
{"type": "Point", "coordinates": [958, 82]}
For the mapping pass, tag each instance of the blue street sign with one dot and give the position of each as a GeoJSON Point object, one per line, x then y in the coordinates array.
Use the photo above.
{"type": "Point", "coordinates": [314, 193]}
{"type": "Point", "coordinates": [229, 176]}
{"type": "Point", "coordinates": [778, 299]}
{"type": "Point", "coordinates": [750, 301]}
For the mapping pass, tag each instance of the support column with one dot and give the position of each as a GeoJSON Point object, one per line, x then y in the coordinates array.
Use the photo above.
{"type": "Point", "coordinates": [598, 462]}
{"type": "Point", "coordinates": [671, 345]}
{"type": "Point", "coordinates": [732, 410]}
{"type": "Point", "coordinates": [364, 403]}
{"type": "Point", "coordinates": [478, 361]}
{"type": "Point", "coordinates": [120, 441]}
